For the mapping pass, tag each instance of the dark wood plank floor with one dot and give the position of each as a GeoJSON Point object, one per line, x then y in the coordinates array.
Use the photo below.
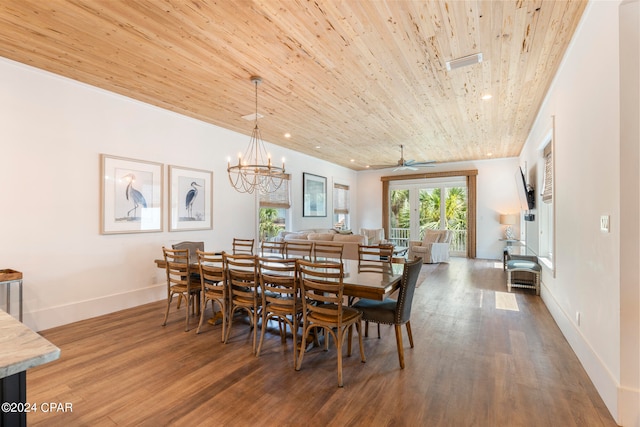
{"type": "Point", "coordinates": [473, 365]}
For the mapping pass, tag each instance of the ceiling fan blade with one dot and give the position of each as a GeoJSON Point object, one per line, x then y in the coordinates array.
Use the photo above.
{"type": "Point", "coordinates": [381, 166]}
{"type": "Point", "coordinates": [428, 164]}
{"type": "Point", "coordinates": [405, 168]}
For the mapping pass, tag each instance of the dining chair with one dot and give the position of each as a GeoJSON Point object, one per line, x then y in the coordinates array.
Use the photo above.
{"type": "Point", "coordinates": [193, 259]}
{"type": "Point", "coordinates": [327, 252]}
{"type": "Point", "coordinates": [212, 282]}
{"type": "Point", "coordinates": [272, 249]}
{"type": "Point", "coordinates": [280, 299]}
{"type": "Point", "coordinates": [321, 287]}
{"type": "Point", "coordinates": [242, 285]}
{"type": "Point", "coordinates": [243, 246]}
{"type": "Point", "coordinates": [179, 281]}
{"type": "Point", "coordinates": [301, 250]}
{"type": "Point", "coordinates": [394, 312]}
{"type": "Point", "coordinates": [375, 258]}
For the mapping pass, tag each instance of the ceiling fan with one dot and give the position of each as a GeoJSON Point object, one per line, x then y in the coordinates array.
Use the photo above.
{"type": "Point", "coordinates": [405, 164]}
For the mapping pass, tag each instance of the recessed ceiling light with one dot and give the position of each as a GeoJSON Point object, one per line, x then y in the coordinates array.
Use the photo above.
{"type": "Point", "coordinates": [487, 96]}
{"type": "Point", "coordinates": [287, 135]}
{"type": "Point", "coordinates": [352, 160]}
{"type": "Point", "coordinates": [318, 147]}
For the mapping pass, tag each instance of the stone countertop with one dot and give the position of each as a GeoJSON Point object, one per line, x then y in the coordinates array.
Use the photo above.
{"type": "Point", "coordinates": [21, 348]}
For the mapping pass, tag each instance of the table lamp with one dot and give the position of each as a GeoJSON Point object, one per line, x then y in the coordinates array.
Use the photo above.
{"type": "Point", "coordinates": [508, 220]}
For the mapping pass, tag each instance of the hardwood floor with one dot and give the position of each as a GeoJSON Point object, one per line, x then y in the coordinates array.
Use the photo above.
{"type": "Point", "coordinates": [473, 364]}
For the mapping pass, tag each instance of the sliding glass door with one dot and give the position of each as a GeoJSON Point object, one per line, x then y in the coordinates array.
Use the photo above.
{"type": "Point", "coordinates": [429, 204]}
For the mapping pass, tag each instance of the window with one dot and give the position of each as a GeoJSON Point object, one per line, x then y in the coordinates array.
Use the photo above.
{"type": "Point", "coordinates": [341, 206]}
{"type": "Point", "coordinates": [273, 211]}
{"type": "Point", "coordinates": [545, 209]}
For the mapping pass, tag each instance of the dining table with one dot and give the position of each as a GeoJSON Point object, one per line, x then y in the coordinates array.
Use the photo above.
{"type": "Point", "coordinates": [375, 285]}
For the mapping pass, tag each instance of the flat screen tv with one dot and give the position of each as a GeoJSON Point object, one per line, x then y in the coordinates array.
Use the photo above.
{"type": "Point", "coordinates": [525, 192]}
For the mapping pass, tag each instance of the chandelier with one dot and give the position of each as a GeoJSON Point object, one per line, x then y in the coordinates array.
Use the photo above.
{"type": "Point", "coordinates": [254, 170]}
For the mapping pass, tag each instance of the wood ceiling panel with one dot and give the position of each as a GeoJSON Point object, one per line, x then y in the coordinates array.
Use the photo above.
{"type": "Point", "coordinates": [357, 78]}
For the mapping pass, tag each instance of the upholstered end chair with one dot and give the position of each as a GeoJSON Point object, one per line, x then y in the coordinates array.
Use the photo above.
{"type": "Point", "coordinates": [372, 236]}
{"type": "Point", "coordinates": [434, 248]}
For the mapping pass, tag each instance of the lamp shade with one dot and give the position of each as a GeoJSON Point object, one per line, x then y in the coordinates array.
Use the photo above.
{"type": "Point", "coordinates": [509, 219]}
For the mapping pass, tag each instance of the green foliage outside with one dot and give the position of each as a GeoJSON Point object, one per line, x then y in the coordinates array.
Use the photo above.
{"type": "Point", "coordinates": [430, 212]}
{"type": "Point", "coordinates": [271, 222]}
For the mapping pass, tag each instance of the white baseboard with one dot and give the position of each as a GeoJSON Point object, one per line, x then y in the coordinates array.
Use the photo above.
{"type": "Point", "coordinates": [79, 310]}
{"type": "Point", "coordinates": [602, 379]}
{"type": "Point", "coordinates": [629, 407]}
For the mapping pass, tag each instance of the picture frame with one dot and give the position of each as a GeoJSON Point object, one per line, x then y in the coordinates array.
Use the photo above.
{"type": "Point", "coordinates": [130, 195]}
{"type": "Point", "coordinates": [314, 195]}
{"type": "Point", "coordinates": [190, 199]}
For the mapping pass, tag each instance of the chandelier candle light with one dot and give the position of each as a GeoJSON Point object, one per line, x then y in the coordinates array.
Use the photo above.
{"type": "Point", "coordinates": [254, 170]}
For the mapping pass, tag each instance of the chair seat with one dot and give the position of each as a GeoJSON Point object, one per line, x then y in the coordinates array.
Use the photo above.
{"type": "Point", "coordinates": [348, 314]}
{"type": "Point", "coordinates": [519, 264]}
{"type": "Point", "coordinates": [183, 288]}
{"type": "Point", "coordinates": [377, 311]}
{"type": "Point", "coordinates": [285, 304]}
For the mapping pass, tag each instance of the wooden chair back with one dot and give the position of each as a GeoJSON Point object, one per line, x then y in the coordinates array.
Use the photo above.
{"type": "Point", "coordinates": [272, 249]}
{"type": "Point", "coordinates": [375, 258]}
{"type": "Point", "coordinates": [243, 246]}
{"type": "Point", "coordinates": [327, 252]}
{"type": "Point", "coordinates": [299, 250]}
{"type": "Point", "coordinates": [177, 267]}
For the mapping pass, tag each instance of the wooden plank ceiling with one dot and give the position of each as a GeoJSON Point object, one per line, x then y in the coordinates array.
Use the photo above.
{"type": "Point", "coordinates": [349, 79]}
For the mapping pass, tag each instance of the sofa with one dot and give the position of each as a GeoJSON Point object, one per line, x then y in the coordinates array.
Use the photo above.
{"type": "Point", "coordinates": [433, 248]}
{"type": "Point", "coordinates": [349, 241]}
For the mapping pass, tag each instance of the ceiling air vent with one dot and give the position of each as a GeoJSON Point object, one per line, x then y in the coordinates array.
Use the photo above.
{"type": "Point", "coordinates": [476, 58]}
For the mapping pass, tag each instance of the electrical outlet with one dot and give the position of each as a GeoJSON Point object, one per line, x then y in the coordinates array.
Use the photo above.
{"type": "Point", "coordinates": [604, 223]}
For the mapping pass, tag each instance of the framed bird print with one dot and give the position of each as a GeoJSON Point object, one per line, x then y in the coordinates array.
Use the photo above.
{"type": "Point", "coordinates": [131, 195]}
{"type": "Point", "coordinates": [190, 199]}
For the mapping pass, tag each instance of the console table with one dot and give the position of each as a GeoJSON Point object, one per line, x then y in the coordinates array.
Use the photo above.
{"type": "Point", "coordinates": [20, 349]}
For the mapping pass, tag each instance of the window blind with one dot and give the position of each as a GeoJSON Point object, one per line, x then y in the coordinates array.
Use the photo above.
{"type": "Point", "coordinates": [547, 184]}
{"type": "Point", "coordinates": [340, 199]}
{"type": "Point", "coordinates": [279, 198]}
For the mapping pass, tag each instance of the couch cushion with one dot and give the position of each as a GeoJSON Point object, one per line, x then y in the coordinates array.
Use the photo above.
{"type": "Point", "coordinates": [357, 238]}
{"type": "Point", "coordinates": [430, 236]}
{"type": "Point", "coordinates": [295, 236]}
{"type": "Point", "coordinates": [321, 236]}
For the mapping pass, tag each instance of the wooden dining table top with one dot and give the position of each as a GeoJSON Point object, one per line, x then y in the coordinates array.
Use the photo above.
{"type": "Point", "coordinates": [359, 284]}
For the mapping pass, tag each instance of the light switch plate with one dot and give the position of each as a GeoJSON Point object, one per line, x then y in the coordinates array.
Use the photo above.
{"type": "Point", "coordinates": [604, 223]}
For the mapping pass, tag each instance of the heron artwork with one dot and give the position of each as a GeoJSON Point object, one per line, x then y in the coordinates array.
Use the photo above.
{"type": "Point", "coordinates": [134, 195]}
{"type": "Point", "coordinates": [191, 197]}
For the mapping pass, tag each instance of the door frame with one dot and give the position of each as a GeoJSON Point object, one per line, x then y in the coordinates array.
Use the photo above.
{"type": "Point", "coordinates": [471, 176]}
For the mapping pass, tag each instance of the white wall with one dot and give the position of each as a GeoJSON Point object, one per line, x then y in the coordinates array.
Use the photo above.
{"type": "Point", "coordinates": [585, 100]}
{"type": "Point", "coordinates": [496, 194]}
{"type": "Point", "coordinates": [53, 131]}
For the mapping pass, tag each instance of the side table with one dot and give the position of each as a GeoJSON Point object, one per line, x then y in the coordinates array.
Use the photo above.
{"type": "Point", "coordinates": [7, 278]}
